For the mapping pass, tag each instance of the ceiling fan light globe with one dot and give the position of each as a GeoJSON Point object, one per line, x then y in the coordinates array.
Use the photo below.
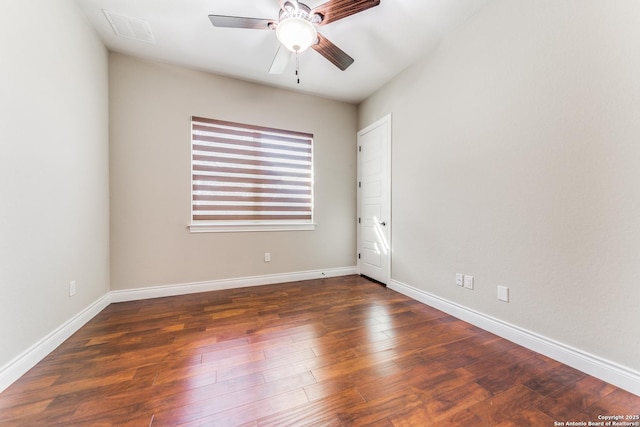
{"type": "Point", "coordinates": [296, 34]}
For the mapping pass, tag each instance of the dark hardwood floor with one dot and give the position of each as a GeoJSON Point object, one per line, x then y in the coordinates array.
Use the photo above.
{"type": "Point", "coordinates": [331, 352]}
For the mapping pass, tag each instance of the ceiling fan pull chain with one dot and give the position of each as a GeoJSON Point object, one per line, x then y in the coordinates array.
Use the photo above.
{"type": "Point", "coordinates": [297, 67]}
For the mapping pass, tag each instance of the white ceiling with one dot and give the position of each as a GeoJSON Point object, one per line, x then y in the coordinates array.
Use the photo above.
{"type": "Point", "coordinates": [383, 40]}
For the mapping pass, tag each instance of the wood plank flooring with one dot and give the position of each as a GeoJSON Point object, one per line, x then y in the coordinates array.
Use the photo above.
{"type": "Point", "coordinates": [331, 352]}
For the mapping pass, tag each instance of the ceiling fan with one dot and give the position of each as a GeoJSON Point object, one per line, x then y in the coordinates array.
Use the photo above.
{"type": "Point", "coordinates": [296, 29]}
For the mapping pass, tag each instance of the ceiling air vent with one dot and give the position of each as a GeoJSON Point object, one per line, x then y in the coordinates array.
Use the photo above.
{"type": "Point", "coordinates": [132, 28]}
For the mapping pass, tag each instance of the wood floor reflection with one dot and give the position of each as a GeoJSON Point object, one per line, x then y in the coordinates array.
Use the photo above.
{"type": "Point", "coordinates": [331, 352]}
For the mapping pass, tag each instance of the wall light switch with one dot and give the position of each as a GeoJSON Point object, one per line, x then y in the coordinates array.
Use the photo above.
{"type": "Point", "coordinates": [468, 282]}
{"type": "Point", "coordinates": [503, 293]}
{"type": "Point", "coordinates": [459, 279]}
{"type": "Point", "coordinates": [267, 257]}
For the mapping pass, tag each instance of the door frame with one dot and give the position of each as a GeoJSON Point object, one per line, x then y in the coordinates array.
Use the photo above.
{"type": "Point", "coordinates": [386, 120]}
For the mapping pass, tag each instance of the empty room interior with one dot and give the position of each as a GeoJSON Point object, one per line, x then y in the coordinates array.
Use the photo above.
{"type": "Point", "coordinates": [456, 242]}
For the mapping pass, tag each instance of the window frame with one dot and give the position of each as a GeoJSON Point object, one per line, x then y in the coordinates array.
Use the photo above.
{"type": "Point", "coordinates": [261, 134]}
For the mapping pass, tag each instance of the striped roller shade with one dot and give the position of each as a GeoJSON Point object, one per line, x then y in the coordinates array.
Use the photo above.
{"type": "Point", "coordinates": [243, 174]}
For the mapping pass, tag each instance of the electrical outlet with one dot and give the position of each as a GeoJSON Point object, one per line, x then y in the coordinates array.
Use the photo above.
{"type": "Point", "coordinates": [503, 293]}
{"type": "Point", "coordinates": [459, 279]}
{"type": "Point", "coordinates": [267, 257]}
{"type": "Point", "coordinates": [468, 282]}
{"type": "Point", "coordinates": [72, 288]}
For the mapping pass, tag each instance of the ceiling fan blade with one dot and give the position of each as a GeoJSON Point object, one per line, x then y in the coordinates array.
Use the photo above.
{"type": "Point", "coordinates": [337, 9]}
{"type": "Point", "coordinates": [332, 52]}
{"type": "Point", "coordinates": [240, 22]}
{"type": "Point", "coordinates": [281, 60]}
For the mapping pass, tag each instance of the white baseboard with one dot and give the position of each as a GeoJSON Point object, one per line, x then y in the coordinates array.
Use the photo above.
{"type": "Point", "coordinates": [613, 373]}
{"type": "Point", "coordinates": [217, 285]}
{"type": "Point", "coordinates": [30, 357]}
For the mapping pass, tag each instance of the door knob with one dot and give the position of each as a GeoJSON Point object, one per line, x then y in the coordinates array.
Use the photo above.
{"type": "Point", "coordinates": [382, 223]}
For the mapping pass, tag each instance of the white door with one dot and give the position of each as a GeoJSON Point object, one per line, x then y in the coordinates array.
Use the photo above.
{"type": "Point", "coordinates": [374, 195]}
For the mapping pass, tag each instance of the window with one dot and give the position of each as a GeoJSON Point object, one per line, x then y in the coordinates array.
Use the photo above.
{"type": "Point", "coordinates": [250, 178]}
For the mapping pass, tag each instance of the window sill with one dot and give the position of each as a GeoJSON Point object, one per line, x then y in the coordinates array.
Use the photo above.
{"type": "Point", "coordinates": [241, 228]}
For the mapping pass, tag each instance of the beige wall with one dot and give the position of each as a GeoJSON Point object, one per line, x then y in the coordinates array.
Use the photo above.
{"type": "Point", "coordinates": [53, 170]}
{"type": "Point", "coordinates": [151, 105]}
{"type": "Point", "coordinates": [516, 160]}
